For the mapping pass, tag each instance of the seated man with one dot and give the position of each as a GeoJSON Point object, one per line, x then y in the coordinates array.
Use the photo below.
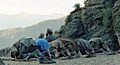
{"type": "Point", "coordinates": [98, 45]}
{"type": "Point", "coordinates": [44, 46]}
{"type": "Point", "coordinates": [49, 35]}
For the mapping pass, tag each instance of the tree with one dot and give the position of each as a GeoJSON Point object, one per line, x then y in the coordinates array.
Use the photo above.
{"type": "Point", "coordinates": [77, 5]}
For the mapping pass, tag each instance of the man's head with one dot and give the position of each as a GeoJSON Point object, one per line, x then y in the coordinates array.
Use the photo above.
{"type": "Point", "coordinates": [15, 54]}
{"type": "Point", "coordinates": [41, 35]}
{"type": "Point", "coordinates": [49, 31]}
{"type": "Point", "coordinates": [56, 32]}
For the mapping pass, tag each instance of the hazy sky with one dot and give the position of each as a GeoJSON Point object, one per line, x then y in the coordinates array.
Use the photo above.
{"type": "Point", "coordinates": [43, 7]}
{"type": "Point", "coordinates": [37, 6]}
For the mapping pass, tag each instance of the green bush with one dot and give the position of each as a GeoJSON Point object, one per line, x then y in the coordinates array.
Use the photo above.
{"type": "Point", "coordinates": [77, 5]}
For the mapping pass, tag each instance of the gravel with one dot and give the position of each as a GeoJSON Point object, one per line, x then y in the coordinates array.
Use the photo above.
{"type": "Point", "coordinates": [98, 60]}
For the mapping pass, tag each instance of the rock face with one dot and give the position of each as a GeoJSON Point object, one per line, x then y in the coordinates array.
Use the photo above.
{"type": "Point", "coordinates": [73, 27]}
{"type": "Point", "coordinates": [94, 20]}
{"type": "Point", "coordinates": [116, 17]}
{"type": "Point", "coordinates": [1, 62]}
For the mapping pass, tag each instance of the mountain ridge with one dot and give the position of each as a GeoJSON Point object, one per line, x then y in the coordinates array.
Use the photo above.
{"type": "Point", "coordinates": [10, 36]}
{"type": "Point", "coordinates": [12, 20]}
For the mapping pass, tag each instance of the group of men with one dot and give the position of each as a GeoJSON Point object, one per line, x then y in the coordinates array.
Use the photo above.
{"type": "Point", "coordinates": [56, 46]}
{"type": "Point", "coordinates": [27, 48]}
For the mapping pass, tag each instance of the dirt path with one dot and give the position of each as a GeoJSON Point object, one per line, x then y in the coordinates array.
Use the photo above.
{"type": "Point", "coordinates": [99, 60]}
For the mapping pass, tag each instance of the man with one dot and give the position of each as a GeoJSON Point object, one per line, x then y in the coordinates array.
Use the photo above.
{"type": "Point", "coordinates": [59, 46]}
{"type": "Point", "coordinates": [49, 35]}
{"type": "Point", "coordinates": [25, 48]}
{"type": "Point", "coordinates": [57, 34]}
{"type": "Point", "coordinates": [44, 46]}
{"type": "Point", "coordinates": [98, 45]}
{"type": "Point", "coordinates": [66, 48]}
{"type": "Point", "coordinates": [84, 47]}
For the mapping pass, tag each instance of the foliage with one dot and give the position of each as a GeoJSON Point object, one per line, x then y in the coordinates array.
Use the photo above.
{"type": "Point", "coordinates": [77, 5]}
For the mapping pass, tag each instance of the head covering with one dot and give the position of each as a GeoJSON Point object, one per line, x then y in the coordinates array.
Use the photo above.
{"type": "Point", "coordinates": [49, 31]}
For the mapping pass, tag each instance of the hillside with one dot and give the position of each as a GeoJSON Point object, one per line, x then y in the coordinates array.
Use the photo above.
{"type": "Point", "coordinates": [99, 18]}
{"type": "Point", "coordinates": [9, 36]}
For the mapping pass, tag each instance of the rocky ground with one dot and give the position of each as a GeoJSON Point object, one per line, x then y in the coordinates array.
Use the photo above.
{"type": "Point", "coordinates": [99, 60]}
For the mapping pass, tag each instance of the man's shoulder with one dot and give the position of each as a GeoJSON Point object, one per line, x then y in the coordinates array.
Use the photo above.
{"type": "Point", "coordinates": [42, 39]}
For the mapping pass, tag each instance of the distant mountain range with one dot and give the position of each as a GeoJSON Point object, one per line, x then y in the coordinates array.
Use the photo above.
{"type": "Point", "coordinates": [10, 36]}
{"type": "Point", "coordinates": [24, 20]}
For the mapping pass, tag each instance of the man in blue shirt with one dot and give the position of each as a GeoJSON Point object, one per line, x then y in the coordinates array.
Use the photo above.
{"type": "Point", "coordinates": [43, 46]}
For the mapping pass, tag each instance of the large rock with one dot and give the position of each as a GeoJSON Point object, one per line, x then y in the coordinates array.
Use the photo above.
{"type": "Point", "coordinates": [94, 20]}
{"type": "Point", "coordinates": [116, 17]}
{"type": "Point", "coordinates": [99, 22]}
{"type": "Point", "coordinates": [73, 27]}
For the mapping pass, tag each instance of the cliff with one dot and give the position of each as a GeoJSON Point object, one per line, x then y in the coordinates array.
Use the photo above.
{"type": "Point", "coordinates": [99, 18]}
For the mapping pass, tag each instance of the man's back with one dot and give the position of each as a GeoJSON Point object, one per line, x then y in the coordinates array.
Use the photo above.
{"type": "Point", "coordinates": [42, 44]}
{"type": "Point", "coordinates": [50, 38]}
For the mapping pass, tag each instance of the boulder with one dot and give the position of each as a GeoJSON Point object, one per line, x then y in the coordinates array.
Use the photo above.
{"type": "Point", "coordinates": [73, 27]}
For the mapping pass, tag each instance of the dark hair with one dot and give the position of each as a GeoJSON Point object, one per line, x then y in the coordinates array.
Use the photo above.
{"type": "Point", "coordinates": [41, 35]}
{"type": "Point", "coordinates": [49, 31]}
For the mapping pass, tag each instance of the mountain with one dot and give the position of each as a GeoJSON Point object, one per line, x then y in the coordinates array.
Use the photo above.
{"type": "Point", "coordinates": [12, 20]}
{"type": "Point", "coordinates": [10, 36]}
